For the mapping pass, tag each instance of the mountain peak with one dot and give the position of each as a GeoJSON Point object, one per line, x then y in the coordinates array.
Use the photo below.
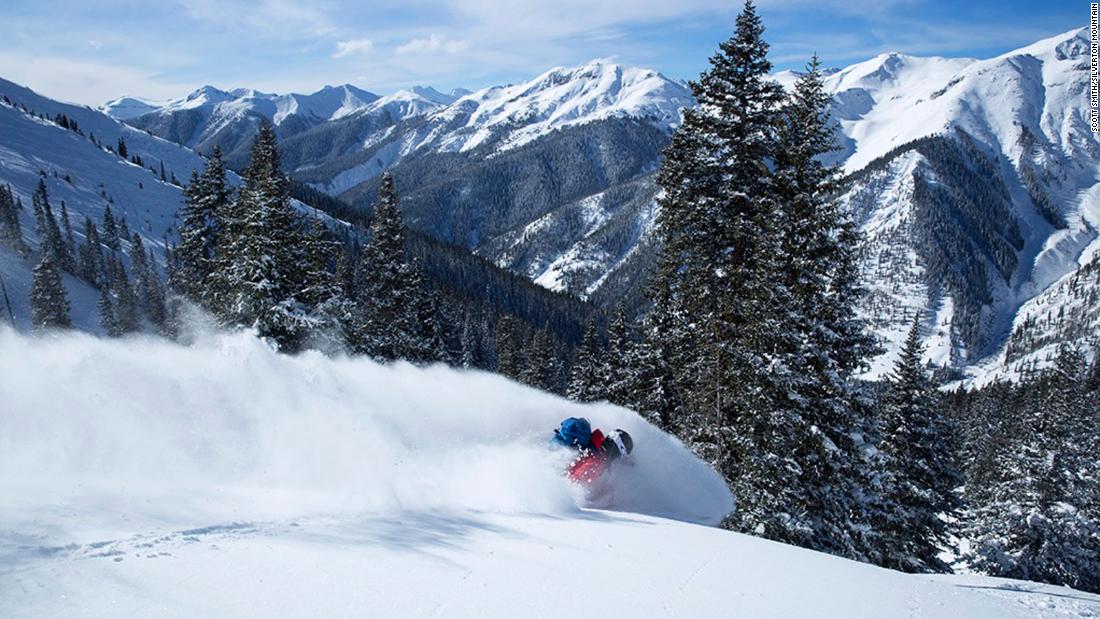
{"type": "Point", "coordinates": [208, 91]}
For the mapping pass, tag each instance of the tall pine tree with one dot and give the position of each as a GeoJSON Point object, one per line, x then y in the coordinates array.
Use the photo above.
{"type": "Point", "coordinates": [49, 304]}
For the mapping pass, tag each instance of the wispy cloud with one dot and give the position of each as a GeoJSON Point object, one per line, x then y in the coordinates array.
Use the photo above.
{"type": "Point", "coordinates": [433, 44]}
{"type": "Point", "coordinates": [279, 19]}
{"type": "Point", "coordinates": [353, 46]}
{"type": "Point", "coordinates": [84, 81]}
{"type": "Point", "coordinates": [294, 45]}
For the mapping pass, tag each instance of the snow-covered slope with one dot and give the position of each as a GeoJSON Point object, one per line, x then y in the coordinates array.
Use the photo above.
{"type": "Point", "coordinates": [143, 478]}
{"type": "Point", "coordinates": [86, 177]}
{"type": "Point", "coordinates": [124, 108]}
{"type": "Point", "coordinates": [1026, 112]}
{"type": "Point", "coordinates": [328, 103]}
{"type": "Point", "coordinates": [561, 97]}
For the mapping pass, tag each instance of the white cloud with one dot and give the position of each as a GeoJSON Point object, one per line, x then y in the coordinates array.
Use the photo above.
{"type": "Point", "coordinates": [353, 46]}
{"type": "Point", "coordinates": [435, 44]}
{"type": "Point", "coordinates": [83, 81]}
{"type": "Point", "coordinates": [281, 19]}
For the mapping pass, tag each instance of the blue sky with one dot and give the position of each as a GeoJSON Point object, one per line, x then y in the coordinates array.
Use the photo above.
{"type": "Point", "coordinates": [90, 51]}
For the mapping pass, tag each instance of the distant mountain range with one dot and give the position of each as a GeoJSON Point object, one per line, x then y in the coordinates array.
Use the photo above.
{"type": "Point", "coordinates": [976, 182]}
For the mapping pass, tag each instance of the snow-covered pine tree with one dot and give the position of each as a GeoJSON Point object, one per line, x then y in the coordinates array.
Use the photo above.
{"type": "Point", "coordinates": [509, 356]}
{"type": "Point", "coordinates": [49, 304]}
{"type": "Point", "coordinates": [123, 229]}
{"type": "Point", "coordinates": [541, 368]}
{"type": "Point", "coordinates": [470, 350]}
{"type": "Point", "coordinates": [426, 336]}
{"type": "Point", "coordinates": [385, 298]}
{"type": "Point", "coordinates": [90, 255]}
{"type": "Point", "coordinates": [588, 378]}
{"type": "Point", "coordinates": [127, 312]}
{"type": "Point", "coordinates": [920, 474]}
{"type": "Point", "coordinates": [821, 341]}
{"type": "Point", "coordinates": [657, 397]}
{"type": "Point", "coordinates": [49, 233]}
{"type": "Point", "coordinates": [622, 361]}
{"type": "Point", "coordinates": [717, 242]}
{"type": "Point", "coordinates": [11, 231]}
{"type": "Point", "coordinates": [330, 312]}
{"type": "Point", "coordinates": [69, 242]}
{"type": "Point", "coordinates": [107, 318]}
{"type": "Point", "coordinates": [259, 273]}
{"type": "Point", "coordinates": [1039, 519]}
{"type": "Point", "coordinates": [146, 284]}
{"type": "Point", "coordinates": [110, 229]}
{"type": "Point", "coordinates": [207, 199]}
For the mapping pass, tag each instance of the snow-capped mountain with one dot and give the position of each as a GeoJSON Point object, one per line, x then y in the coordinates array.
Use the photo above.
{"type": "Point", "coordinates": [1016, 215]}
{"type": "Point", "coordinates": [979, 176]}
{"type": "Point", "coordinates": [210, 116]}
{"type": "Point", "coordinates": [125, 108]}
{"type": "Point", "coordinates": [74, 150]}
{"type": "Point", "coordinates": [975, 181]}
{"type": "Point", "coordinates": [560, 160]}
{"type": "Point", "coordinates": [560, 97]}
{"type": "Point", "coordinates": [229, 119]}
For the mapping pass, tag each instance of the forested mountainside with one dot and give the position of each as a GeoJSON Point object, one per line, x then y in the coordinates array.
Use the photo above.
{"type": "Point", "coordinates": [114, 195]}
{"type": "Point", "coordinates": [974, 180]}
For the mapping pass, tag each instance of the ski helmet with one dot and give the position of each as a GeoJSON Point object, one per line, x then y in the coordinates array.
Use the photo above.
{"type": "Point", "coordinates": [618, 443]}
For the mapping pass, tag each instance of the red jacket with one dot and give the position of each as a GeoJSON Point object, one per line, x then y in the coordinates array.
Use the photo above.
{"type": "Point", "coordinates": [589, 466]}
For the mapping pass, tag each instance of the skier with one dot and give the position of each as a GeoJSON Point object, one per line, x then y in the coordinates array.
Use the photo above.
{"type": "Point", "coordinates": [595, 449]}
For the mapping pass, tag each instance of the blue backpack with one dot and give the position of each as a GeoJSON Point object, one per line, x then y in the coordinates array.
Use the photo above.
{"type": "Point", "coordinates": [574, 432]}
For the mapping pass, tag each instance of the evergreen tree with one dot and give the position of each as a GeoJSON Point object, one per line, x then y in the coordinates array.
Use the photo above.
{"type": "Point", "coordinates": [69, 251]}
{"type": "Point", "coordinates": [657, 397]}
{"type": "Point", "coordinates": [385, 297]}
{"type": "Point", "coordinates": [590, 374]}
{"type": "Point", "coordinates": [49, 305]}
{"type": "Point", "coordinates": [107, 318]}
{"type": "Point", "coordinates": [127, 311]}
{"type": "Point", "coordinates": [91, 255]}
{"type": "Point", "coordinates": [470, 349]}
{"type": "Point", "coordinates": [110, 229]}
{"type": "Point", "coordinates": [11, 231]}
{"type": "Point", "coordinates": [122, 150]}
{"type": "Point", "coordinates": [49, 233]}
{"type": "Point", "coordinates": [259, 274]}
{"type": "Point", "coordinates": [426, 338]}
{"type": "Point", "coordinates": [820, 342]}
{"type": "Point", "coordinates": [329, 311]}
{"type": "Point", "coordinates": [920, 474]}
{"type": "Point", "coordinates": [149, 293]}
{"type": "Point", "coordinates": [509, 358]}
{"type": "Point", "coordinates": [541, 367]}
{"type": "Point", "coordinates": [1038, 517]}
{"type": "Point", "coordinates": [207, 201]}
{"type": "Point", "coordinates": [622, 362]}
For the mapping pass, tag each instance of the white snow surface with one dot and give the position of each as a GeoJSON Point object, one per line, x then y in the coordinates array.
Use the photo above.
{"type": "Point", "coordinates": [141, 478]}
{"type": "Point", "coordinates": [125, 107]}
{"type": "Point", "coordinates": [328, 103]}
{"type": "Point", "coordinates": [561, 97]}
